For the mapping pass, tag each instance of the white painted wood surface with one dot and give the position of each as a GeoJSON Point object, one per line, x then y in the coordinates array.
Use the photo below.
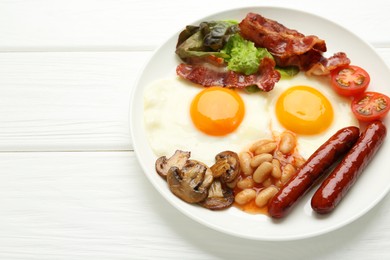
{"type": "Point", "coordinates": [70, 185]}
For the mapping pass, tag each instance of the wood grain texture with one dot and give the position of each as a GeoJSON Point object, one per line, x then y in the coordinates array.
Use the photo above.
{"type": "Point", "coordinates": [116, 25]}
{"type": "Point", "coordinates": [67, 100]}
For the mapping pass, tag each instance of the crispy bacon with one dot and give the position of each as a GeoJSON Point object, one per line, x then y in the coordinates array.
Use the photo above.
{"type": "Point", "coordinates": [324, 66]}
{"type": "Point", "coordinates": [314, 63]}
{"type": "Point", "coordinates": [278, 39]}
{"type": "Point", "coordinates": [208, 74]}
{"type": "Point", "coordinates": [290, 47]}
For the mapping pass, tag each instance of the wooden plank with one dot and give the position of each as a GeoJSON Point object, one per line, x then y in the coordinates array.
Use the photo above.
{"type": "Point", "coordinates": [99, 205]}
{"type": "Point", "coordinates": [142, 25]}
{"type": "Point", "coordinates": [66, 101]}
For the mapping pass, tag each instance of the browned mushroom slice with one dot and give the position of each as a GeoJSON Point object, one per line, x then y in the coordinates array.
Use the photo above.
{"type": "Point", "coordinates": [178, 159]}
{"type": "Point", "coordinates": [233, 171]}
{"type": "Point", "coordinates": [220, 167]}
{"type": "Point", "coordinates": [219, 197]}
{"type": "Point", "coordinates": [190, 183]}
{"type": "Point", "coordinates": [233, 183]}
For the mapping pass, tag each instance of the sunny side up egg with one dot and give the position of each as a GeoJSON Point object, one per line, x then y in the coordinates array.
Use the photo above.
{"type": "Point", "coordinates": [175, 110]}
{"type": "Point", "coordinates": [182, 115]}
{"type": "Point", "coordinates": [308, 107]}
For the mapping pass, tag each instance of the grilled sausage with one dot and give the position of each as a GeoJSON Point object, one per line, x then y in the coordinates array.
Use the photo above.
{"type": "Point", "coordinates": [338, 183]}
{"type": "Point", "coordinates": [313, 168]}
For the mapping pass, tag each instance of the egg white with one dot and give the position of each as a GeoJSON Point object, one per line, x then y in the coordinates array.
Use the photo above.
{"type": "Point", "coordinates": [169, 126]}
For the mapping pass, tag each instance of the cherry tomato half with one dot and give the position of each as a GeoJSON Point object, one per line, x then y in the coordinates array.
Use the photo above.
{"type": "Point", "coordinates": [350, 80]}
{"type": "Point", "coordinates": [370, 106]}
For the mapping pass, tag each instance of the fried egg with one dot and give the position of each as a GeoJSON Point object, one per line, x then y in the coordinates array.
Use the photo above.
{"type": "Point", "coordinates": [181, 115]}
{"type": "Point", "coordinates": [308, 107]}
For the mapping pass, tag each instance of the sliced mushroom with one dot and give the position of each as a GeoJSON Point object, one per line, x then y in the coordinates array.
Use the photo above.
{"type": "Point", "coordinates": [190, 183]}
{"type": "Point", "coordinates": [233, 183]}
{"type": "Point", "coordinates": [233, 171]}
{"type": "Point", "coordinates": [220, 167]}
{"type": "Point", "coordinates": [219, 197]}
{"type": "Point", "coordinates": [178, 159]}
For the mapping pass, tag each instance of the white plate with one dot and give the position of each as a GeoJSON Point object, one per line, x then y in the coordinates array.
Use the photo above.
{"type": "Point", "coordinates": [372, 186]}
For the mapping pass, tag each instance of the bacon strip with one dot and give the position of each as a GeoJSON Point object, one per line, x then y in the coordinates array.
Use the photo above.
{"type": "Point", "coordinates": [290, 47]}
{"type": "Point", "coordinates": [213, 75]}
{"type": "Point", "coordinates": [324, 66]}
{"type": "Point", "coordinates": [278, 39]}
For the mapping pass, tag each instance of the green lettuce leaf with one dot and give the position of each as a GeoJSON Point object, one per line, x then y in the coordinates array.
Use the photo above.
{"type": "Point", "coordinates": [287, 72]}
{"type": "Point", "coordinates": [252, 89]}
{"type": "Point", "coordinates": [244, 57]}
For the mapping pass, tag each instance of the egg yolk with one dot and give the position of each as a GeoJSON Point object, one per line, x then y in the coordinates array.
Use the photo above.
{"type": "Point", "coordinates": [217, 111]}
{"type": "Point", "coordinates": [304, 110]}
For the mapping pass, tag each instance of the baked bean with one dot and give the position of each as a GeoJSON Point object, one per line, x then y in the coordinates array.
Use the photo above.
{"type": "Point", "coordinates": [267, 182]}
{"type": "Point", "coordinates": [279, 156]}
{"type": "Point", "coordinates": [259, 159]}
{"type": "Point", "coordinates": [287, 173]}
{"type": "Point", "coordinates": [245, 183]}
{"type": "Point", "coordinates": [276, 171]}
{"type": "Point", "coordinates": [259, 143]}
{"type": "Point", "coordinates": [245, 159]}
{"type": "Point", "coordinates": [278, 183]}
{"type": "Point", "coordinates": [287, 142]}
{"type": "Point", "coordinates": [265, 167]}
{"type": "Point", "coordinates": [262, 172]}
{"type": "Point", "coordinates": [265, 195]}
{"type": "Point", "coordinates": [266, 148]}
{"type": "Point", "coordinates": [245, 196]}
{"type": "Point", "coordinates": [298, 161]}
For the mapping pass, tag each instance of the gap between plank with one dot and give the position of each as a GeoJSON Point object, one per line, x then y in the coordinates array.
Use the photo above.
{"type": "Point", "coordinates": [146, 48]}
{"type": "Point", "coordinates": [79, 49]}
{"type": "Point", "coordinates": [65, 151]}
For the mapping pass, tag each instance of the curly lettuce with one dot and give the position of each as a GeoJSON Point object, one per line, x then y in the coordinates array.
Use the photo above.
{"type": "Point", "coordinates": [243, 56]}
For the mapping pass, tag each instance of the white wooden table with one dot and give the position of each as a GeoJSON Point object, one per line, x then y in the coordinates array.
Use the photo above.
{"type": "Point", "coordinates": [70, 185]}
